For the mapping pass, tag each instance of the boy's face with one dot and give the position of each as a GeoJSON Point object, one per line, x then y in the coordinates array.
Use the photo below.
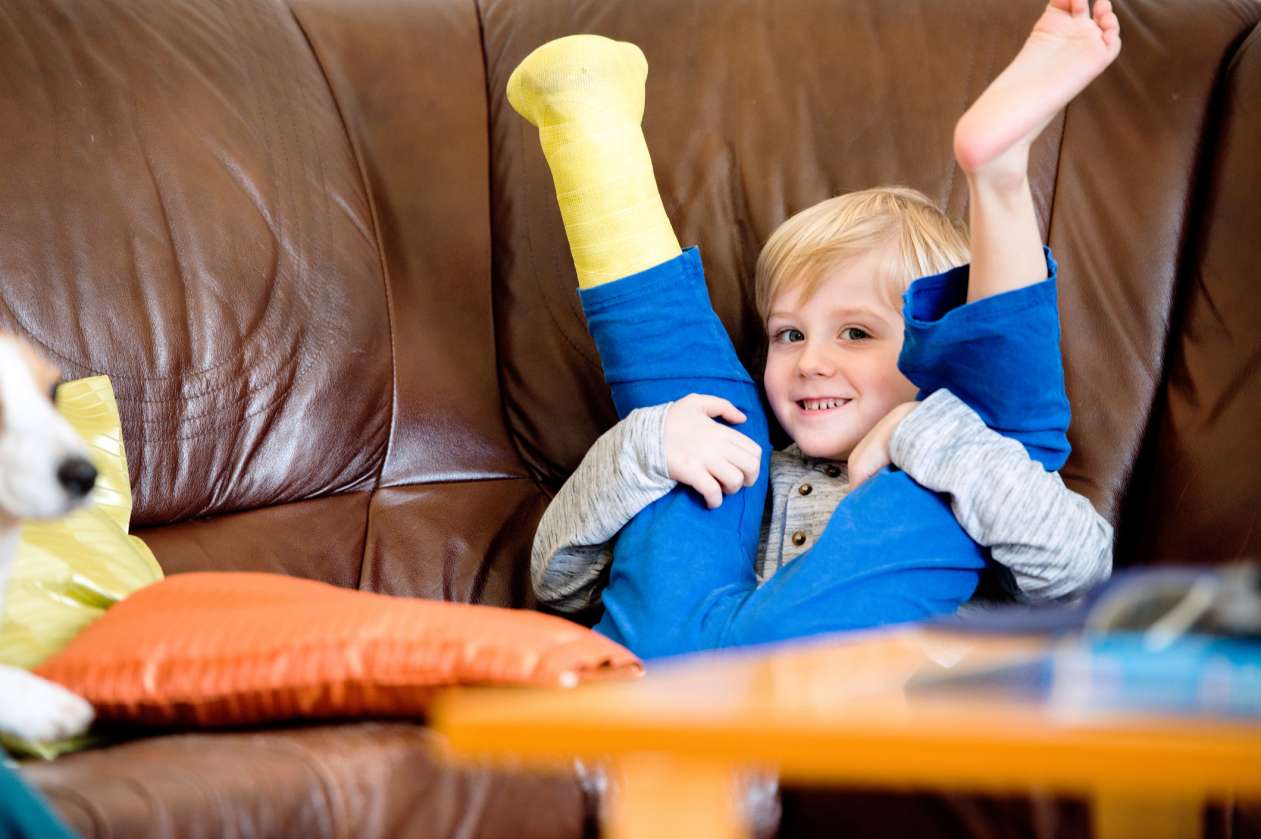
{"type": "Point", "coordinates": [832, 364]}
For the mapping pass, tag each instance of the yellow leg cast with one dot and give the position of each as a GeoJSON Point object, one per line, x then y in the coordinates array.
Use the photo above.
{"type": "Point", "coordinates": [585, 94]}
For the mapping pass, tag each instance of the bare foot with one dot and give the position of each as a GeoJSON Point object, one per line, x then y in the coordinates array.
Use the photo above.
{"type": "Point", "coordinates": [1068, 48]}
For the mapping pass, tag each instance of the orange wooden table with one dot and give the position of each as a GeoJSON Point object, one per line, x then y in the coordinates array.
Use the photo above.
{"type": "Point", "coordinates": [840, 710]}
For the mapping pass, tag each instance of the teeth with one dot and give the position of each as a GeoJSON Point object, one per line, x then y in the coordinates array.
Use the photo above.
{"type": "Point", "coordinates": [821, 404]}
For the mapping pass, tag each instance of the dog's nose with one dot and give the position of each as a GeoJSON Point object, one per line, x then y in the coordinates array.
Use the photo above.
{"type": "Point", "coordinates": [77, 476]}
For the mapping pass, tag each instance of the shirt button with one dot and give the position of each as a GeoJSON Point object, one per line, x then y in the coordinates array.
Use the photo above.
{"type": "Point", "coordinates": [832, 471]}
{"type": "Point", "coordinates": [805, 489]}
{"type": "Point", "coordinates": [799, 538]}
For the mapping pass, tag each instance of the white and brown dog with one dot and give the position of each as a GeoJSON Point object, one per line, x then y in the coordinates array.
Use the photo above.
{"type": "Point", "coordinates": [44, 473]}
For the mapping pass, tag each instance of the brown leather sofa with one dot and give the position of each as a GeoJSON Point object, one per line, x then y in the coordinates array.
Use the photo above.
{"type": "Point", "coordinates": [322, 262]}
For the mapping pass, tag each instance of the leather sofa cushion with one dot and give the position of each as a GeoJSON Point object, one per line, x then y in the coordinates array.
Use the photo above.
{"type": "Point", "coordinates": [369, 780]}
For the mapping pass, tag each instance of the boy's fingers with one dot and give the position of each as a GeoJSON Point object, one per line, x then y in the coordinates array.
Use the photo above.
{"type": "Point", "coordinates": [867, 460]}
{"type": "Point", "coordinates": [747, 462]}
{"type": "Point", "coordinates": [710, 491]}
{"type": "Point", "coordinates": [729, 476]}
{"type": "Point", "coordinates": [858, 465]}
{"type": "Point", "coordinates": [744, 442]}
{"type": "Point", "coordinates": [719, 408]}
{"type": "Point", "coordinates": [705, 486]}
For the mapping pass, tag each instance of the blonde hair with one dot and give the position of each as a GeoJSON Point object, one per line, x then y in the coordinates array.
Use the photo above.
{"type": "Point", "coordinates": [920, 239]}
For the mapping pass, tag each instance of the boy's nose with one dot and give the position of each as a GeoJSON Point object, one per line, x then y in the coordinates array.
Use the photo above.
{"type": "Point", "coordinates": [814, 362]}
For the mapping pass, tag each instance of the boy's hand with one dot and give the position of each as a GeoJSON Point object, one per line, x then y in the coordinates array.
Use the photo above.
{"type": "Point", "coordinates": [705, 454]}
{"type": "Point", "coordinates": [872, 452]}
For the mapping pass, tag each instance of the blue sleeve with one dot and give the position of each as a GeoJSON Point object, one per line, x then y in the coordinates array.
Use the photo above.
{"type": "Point", "coordinates": [1000, 355]}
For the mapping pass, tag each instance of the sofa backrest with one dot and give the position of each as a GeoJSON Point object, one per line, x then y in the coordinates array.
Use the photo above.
{"type": "Point", "coordinates": [757, 110]}
{"type": "Point", "coordinates": [1196, 493]}
{"type": "Point", "coordinates": [270, 227]}
{"type": "Point", "coordinates": [321, 259]}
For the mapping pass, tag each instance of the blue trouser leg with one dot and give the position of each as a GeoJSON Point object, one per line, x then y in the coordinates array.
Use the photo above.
{"type": "Point", "coordinates": [659, 340]}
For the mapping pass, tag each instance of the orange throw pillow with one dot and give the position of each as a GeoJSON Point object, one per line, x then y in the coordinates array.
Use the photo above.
{"type": "Point", "coordinates": [230, 648]}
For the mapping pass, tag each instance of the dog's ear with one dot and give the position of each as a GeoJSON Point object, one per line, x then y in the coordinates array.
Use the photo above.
{"type": "Point", "coordinates": [45, 374]}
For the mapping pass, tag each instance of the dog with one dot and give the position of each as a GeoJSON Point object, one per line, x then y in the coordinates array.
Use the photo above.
{"type": "Point", "coordinates": [44, 473]}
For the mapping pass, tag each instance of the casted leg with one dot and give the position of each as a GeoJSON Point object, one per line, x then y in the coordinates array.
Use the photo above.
{"type": "Point", "coordinates": [585, 94]}
{"type": "Point", "coordinates": [658, 336]}
{"type": "Point", "coordinates": [659, 340]}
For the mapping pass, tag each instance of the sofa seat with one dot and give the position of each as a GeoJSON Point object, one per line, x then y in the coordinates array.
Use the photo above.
{"type": "Point", "coordinates": [362, 780]}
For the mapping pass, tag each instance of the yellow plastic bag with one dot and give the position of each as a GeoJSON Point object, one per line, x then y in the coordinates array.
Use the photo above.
{"type": "Point", "coordinates": [69, 571]}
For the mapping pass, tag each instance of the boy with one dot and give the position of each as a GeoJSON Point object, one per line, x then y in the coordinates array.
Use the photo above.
{"type": "Point", "coordinates": [683, 573]}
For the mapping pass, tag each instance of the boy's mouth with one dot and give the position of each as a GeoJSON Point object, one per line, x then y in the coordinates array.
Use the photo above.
{"type": "Point", "coordinates": [818, 406]}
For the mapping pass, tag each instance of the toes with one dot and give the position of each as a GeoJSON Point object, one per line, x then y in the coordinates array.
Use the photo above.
{"type": "Point", "coordinates": [1109, 22]}
{"type": "Point", "coordinates": [1104, 15]}
{"type": "Point", "coordinates": [1112, 40]}
{"type": "Point", "coordinates": [1079, 8]}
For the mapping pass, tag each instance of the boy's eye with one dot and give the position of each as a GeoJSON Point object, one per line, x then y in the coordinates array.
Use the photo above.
{"type": "Point", "coordinates": [52, 392]}
{"type": "Point", "coordinates": [789, 336]}
{"type": "Point", "coordinates": [854, 333]}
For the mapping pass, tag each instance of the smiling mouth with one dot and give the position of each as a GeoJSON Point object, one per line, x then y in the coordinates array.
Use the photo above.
{"type": "Point", "coordinates": [819, 406]}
